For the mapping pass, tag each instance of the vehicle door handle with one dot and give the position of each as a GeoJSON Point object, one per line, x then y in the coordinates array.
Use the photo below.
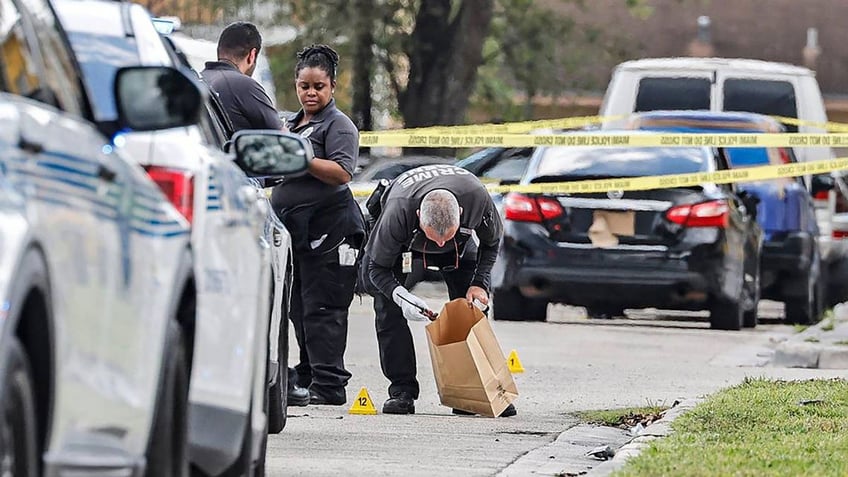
{"type": "Point", "coordinates": [106, 174]}
{"type": "Point", "coordinates": [34, 147]}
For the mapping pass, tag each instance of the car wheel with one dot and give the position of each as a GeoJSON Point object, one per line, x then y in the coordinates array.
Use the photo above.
{"type": "Point", "coordinates": [806, 309]}
{"type": "Point", "coordinates": [837, 282]}
{"type": "Point", "coordinates": [726, 314]}
{"type": "Point", "coordinates": [604, 312]}
{"type": "Point", "coordinates": [508, 304]}
{"type": "Point", "coordinates": [167, 452]}
{"type": "Point", "coordinates": [278, 393]}
{"type": "Point", "coordinates": [18, 439]}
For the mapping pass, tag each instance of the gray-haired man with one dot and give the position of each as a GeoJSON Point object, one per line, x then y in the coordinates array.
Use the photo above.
{"type": "Point", "coordinates": [429, 214]}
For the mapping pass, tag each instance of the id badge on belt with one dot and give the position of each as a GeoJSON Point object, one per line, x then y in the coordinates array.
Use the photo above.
{"type": "Point", "coordinates": [406, 261]}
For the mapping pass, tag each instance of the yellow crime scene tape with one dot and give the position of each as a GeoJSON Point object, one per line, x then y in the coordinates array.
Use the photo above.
{"type": "Point", "coordinates": [522, 127]}
{"type": "Point", "coordinates": [506, 128]}
{"type": "Point", "coordinates": [617, 139]}
{"type": "Point", "coordinates": [516, 134]}
{"type": "Point", "coordinates": [747, 174]}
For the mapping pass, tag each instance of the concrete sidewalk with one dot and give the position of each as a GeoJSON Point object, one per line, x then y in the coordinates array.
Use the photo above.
{"type": "Point", "coordinates": [822, 346]}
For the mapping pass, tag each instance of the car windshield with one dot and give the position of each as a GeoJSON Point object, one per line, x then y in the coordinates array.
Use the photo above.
{"type": "Point", "coordinates": [100, 57]}
{"type": "Point", "coordinates": [629, 162]}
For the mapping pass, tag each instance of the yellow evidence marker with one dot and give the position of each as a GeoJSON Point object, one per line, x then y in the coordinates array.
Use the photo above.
{"type": "Point", "coordinates": [363, 404]}
{"type": "Point", "coordinates": [514, 363]}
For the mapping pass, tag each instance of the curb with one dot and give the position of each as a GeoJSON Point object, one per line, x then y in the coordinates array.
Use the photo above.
{"type": "Point", "coordinates": [821, 346]}
{"type": "Point", "coordinates": [808, 355]}
{"type": "Point", "coordinates": [656, 430]}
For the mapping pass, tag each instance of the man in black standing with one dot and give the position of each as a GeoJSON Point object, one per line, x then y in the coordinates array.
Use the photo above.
{"type": "Point", "coordinates": [444, 216]}
{"type": "Point", "coordinates": [248, 106]}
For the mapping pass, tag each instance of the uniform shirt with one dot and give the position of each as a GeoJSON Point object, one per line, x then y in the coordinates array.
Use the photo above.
{"type": "Point", "coordinates": [320, 215]}
{"type": "Point", "coordinates": [397, 231]}
{"type": "Point", "coordinates": [246, 102]}
{"type": "Point", "coordinates": [334, 137]}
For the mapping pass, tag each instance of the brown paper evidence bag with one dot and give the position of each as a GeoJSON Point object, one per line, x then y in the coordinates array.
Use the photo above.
{"type": "Point", "coordinates": [468, 363]}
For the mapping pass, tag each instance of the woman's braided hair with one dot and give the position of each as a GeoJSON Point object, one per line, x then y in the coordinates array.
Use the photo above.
{"type": "Point", "coordinates": [318, 56]}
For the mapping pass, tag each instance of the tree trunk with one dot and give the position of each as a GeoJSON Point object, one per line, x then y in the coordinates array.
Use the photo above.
{"type": "Point", "coordinates": [444, 55]}
{"type": "Point", "coordinates": [363, 65]}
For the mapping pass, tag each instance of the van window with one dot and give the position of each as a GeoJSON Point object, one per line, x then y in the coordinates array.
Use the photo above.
{"type": "Point", "coordinates": [673, 94]}
{"type": "Point", "coordinates": [761, 96]}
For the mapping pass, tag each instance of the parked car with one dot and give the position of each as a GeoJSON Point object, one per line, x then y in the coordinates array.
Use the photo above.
{"type": "Point", "coordinates": [275, 236]}
{"type": "Point", "coordinates": [232, 257]}
{"type": "Point", "coordinates": [498, 165]}
{"type": "Point", "coordinates": [682, 248]}
{"type": "Point", "coordinates": [720, 84]}
{"type": "Point", "coordinates": [791, 268]}
{"type": "Point", "coordinates": [96, 272]}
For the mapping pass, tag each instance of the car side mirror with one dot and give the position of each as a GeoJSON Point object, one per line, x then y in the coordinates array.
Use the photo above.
{"type": "Point", "coordinates": [269, 153]}
{"type": "Point", "coordinates": [152, 98]}
{"type": "Point", "coordinates": [822, 183]}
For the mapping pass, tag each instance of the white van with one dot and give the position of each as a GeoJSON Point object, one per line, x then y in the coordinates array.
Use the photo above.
{"type": "Point", "coordinates": [718, 84]}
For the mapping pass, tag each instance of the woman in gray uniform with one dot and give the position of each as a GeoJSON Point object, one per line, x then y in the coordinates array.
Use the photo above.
{"type": "Point", "coordinates": [327, 228]}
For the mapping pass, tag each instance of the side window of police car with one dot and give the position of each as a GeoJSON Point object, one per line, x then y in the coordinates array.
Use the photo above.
{"type": "Point", "coordinates": [60, 74]}
{"type": "Point", "coordinates": [19, 73]}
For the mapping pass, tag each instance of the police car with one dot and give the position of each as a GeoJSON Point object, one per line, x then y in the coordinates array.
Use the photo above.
{"type": "Point", "coordinates": [96, 282]}
{"type": "Point", "coordinates": [231, 249]}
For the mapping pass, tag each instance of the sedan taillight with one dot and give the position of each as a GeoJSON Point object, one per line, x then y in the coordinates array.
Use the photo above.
{"type": "Point", "coordinates": [178, 186]}
{"type": "Point", "coordinates": [714, 213]}
{"type": "Point", "coordinates": [521, 208]}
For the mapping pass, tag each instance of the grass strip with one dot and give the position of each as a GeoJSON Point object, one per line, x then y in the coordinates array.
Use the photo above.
{"type": "Point", "coordinates": [758, 428]}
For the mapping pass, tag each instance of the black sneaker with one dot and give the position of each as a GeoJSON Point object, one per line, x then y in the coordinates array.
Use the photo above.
{"type": "Point", "coordinates": [297, 396]}
{"type": "Point", "coordinates": [508, 412]}
{"type": "Point", "coordinates": [403, 403]}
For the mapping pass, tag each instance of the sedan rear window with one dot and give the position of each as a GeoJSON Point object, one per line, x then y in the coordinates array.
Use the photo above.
{"type": "Point", "coordinates": [630, 162]}
{"type": "Point", "coordinates": [673, 94]}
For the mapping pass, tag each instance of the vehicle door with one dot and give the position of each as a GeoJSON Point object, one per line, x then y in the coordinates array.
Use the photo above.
{"type": "Point", "coordinates": [65, 173]}
{"type": "Point", "coordinates": [232, 261]}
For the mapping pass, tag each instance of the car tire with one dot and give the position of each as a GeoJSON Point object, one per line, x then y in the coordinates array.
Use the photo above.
{"type": "Point", "coordinates": [837, 282]}
{"type": "Point", "coordinates": [278, 393]}
{"type": "Point", "coordinates": [749, 317]}
{"type": "Point", "coordinates": [726, 314]}
{"type": "Point", "coordinates": [18, 428]}
{"type": "Point", "coordinates": [508, 304]}
{"type": "Point", "coordinates": [167, 452]}
{"type": "Point", "coordinates": [806, 309]}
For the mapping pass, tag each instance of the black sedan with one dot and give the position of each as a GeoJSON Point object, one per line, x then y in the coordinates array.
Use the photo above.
{"type": "Point", "coordinates": [688, 248]}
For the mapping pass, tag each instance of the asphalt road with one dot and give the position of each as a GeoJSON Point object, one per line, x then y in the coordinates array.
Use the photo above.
{"type": "Point", "coordinates": [571, 363]}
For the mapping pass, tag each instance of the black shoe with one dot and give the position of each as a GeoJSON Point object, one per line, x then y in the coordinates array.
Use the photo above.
{"type": "Point", "coordinates": [508, 412]}
{"type": "Point", "coordinates": [297, 396]}
{"type": "Point", "coordinates": [403, 403]}
{"type": "Point", "coordinates": [322, 400]}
